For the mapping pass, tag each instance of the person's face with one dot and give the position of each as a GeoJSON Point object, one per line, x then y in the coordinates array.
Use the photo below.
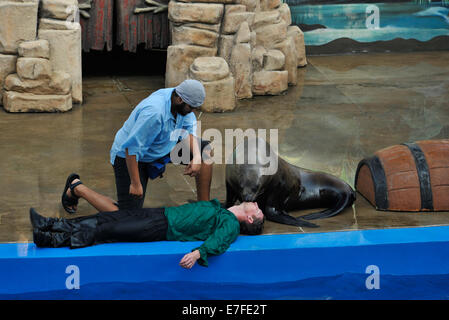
{"type": "Point", "coordinates": [252, 211]}
{"type": "Point", "coordinates": [181, 107]}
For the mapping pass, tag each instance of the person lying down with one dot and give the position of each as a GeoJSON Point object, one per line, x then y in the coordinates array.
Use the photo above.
{"type": "Point", "coordinates": [200, 221]}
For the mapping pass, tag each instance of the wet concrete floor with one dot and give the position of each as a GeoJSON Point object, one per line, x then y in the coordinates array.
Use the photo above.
{"type": "Point", "coordinates": [343, 109]}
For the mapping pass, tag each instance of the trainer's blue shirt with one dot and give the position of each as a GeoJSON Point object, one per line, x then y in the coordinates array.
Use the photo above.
{"type": "Point", "coordinates": [151, 131]}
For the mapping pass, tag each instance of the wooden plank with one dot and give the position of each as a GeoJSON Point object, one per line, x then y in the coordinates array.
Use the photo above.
{"type": "Point", "coordinates": [97, 30]}
{"type": "Point", "coordinates": [134, 29]}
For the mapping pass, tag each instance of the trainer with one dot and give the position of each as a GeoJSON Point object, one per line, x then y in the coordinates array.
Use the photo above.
{"type": "Point", "coordinates": [142, 147]}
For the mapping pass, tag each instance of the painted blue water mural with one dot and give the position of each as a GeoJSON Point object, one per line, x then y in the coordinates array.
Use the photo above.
{"type": "Point", "coordinates": [348, 286]}
{"type": "Point", "coordinates": [369, 22]}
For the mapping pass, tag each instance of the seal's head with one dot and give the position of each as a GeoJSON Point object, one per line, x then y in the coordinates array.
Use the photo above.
{"type": "Point", "coordinates": [246, 169]}
{"type": "Point", "coordinates": [252, 182]}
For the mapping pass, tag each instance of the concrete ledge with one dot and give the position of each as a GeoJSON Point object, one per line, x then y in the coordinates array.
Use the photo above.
{"type": "Point", "coordinates": [252, 265]}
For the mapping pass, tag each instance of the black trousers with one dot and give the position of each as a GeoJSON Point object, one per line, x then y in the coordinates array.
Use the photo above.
{"type": "Point", "coordinates": [123, 181]}
{"type": "Point", "coordinates": [136, 225]}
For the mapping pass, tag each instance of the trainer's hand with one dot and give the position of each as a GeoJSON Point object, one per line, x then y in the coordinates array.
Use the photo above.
{"type": "Point", "coordinates": [189, 260]}
{"type": "Point", "coordinates": [193, 168]}
{"type": "Point", "coordinates": [136, 190]}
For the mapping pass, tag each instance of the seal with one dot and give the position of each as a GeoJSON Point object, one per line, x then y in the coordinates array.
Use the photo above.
{"type": "Point", "coordinates": [286, 188]}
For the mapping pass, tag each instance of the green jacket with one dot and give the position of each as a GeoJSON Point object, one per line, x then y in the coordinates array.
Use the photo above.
{"type": "Point", "coordinates": [206, 221]}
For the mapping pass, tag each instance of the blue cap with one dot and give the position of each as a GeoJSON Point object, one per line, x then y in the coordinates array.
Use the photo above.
{"type": "Point", "coordinates": [191, 92]}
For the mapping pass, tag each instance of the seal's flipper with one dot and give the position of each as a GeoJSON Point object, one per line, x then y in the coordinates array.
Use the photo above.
{"type": "Point", "coordinates": [304, 223]}
{"type": "Point", "coordinates": [282, 217]}
{"type": "Point", "coordinates": [343, 201]}
{"type": "Point", "coordinates": [319, 215]}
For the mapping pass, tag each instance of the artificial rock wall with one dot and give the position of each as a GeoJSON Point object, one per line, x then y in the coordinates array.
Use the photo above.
{"type": "Point", "coordinates": [40, 55]}
{"type": "Point", "coordinates": [236, 48]}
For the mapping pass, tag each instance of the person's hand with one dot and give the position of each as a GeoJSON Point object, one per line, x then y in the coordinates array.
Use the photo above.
{"type": "Point", "coordinates": [136, 190]}
{"type": "Point", "coordinates": [193, 168]}
{"type": "Point", "coordinates": [189, 260]}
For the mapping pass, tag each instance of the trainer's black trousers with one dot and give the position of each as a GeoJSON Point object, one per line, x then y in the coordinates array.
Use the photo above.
{"type": "Point", "coordinates": [134, 225]}
{"type": "Point", "coordinates": [123, 181]}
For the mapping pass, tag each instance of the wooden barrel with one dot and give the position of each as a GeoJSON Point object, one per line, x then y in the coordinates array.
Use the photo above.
{"type": "Point", "coordinates": [407, 177]}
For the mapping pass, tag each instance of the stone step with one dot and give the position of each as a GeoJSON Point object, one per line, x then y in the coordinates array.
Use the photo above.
{"type": "Point", "coordinates": [58, 83]}
{"type": "Point", "coordinates": [28, 102]}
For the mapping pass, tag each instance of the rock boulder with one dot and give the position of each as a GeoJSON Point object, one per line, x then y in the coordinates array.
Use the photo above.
{"type": "Point", "coordinates": [195, 12]}
{"type": "Point", "coordinates": [207, 69]}
{"type": "Point", "coordinates": [65, 55]}
{"type": "Point", "coordinates": [33, 68]}
{"type": "Point", "coordinates": [179, 59]}
{"type": "Point", "coordinates": [240, 65]}
{"type": "Point", "coordinates": [18, 22]}
{"type": "Point", "coordinates": [7, 66]}
{"type": "Point", "coordinates": [270, 82]}
{"type": "Point", "coordinates": [35, 49]}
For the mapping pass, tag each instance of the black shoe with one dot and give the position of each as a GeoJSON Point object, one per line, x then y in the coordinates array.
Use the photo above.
{"type": "Point", "coordinates": [42, 239]}
{"type": "Point", "coordinates": [40, 222]}
{"type": "Point", "coordinates": [50, 239]}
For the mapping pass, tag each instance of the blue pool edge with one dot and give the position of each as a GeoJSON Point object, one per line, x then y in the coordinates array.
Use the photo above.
{"type": "Point", "coordinates": [287, 266]}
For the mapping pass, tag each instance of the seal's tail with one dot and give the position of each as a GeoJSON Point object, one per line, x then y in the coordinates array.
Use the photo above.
{"type": "Point", "coordinates": [344, 200]}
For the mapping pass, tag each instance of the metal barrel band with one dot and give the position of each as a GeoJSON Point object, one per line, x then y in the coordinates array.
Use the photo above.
{"type": "Point", "coordinates": [379, 180]}
{"type": "Point", "coordinates": [422, 170]}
